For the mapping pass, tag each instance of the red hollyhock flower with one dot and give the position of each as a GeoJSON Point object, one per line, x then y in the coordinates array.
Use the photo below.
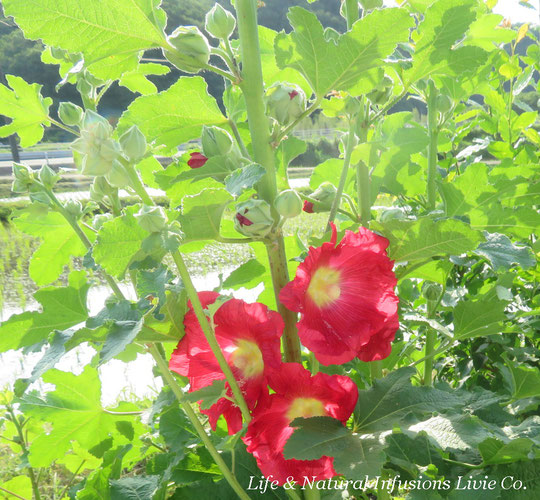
{"type": "Point", "coordinates": [345, 293]}
{"type": "Point", "coordinates": [196, 159]}
{"type": "Point", "coordinates": [308, 207]}
{"type": "Point", "coordinates": [249, 336]}
{"type": "Point", "coordinates": [297, 394]}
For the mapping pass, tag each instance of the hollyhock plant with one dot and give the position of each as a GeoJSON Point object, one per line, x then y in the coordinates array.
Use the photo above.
{"type": "Point", "coordinates": [345, 293]}
{"type": "Point", "coordinates": [297, 394]}
{"type": "Point", "coordinates": [196, 160]}
{"type": "Point", "coordinates": [249, 336]}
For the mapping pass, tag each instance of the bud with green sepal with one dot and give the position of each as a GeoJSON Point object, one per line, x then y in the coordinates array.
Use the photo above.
{"type": "Point", "coordinates": [74, 208]}
{"type": "Point", "coordinates": [220, 23]}
{"type": "Point", "coordinates": [444, 103]}
{"type": "Point", "coordinates": [70, 114]}
{"type": "Point", "coordinates": [190, 51]}
{"type": "Point", "coordinates": [48, 177]}
{"type": "Point", "coordinates": [215, 141]}
{"type": "Point", "coordinates": [288, 204]}
{"type": "Point", "coordinates": [117, 175]}
{"type": "Point", "coordinates": [100, 188]}
{"type": "Point", "coordinates": [100, 219]}
{"type": "Point", "coordinates": [431, 291]}
{"type": "Point", "coordinates": [253, 218]}
{"type": "Point", "coordinates": [151, 219]}
{"type": "Point", "coordinates": [322, 198]}
{"type": "Point", "coordinates": [133, 143]}
{"type": "Point", "coordinates": [23, 178]}
{"type": "Point", "coordinates": [285, 102]}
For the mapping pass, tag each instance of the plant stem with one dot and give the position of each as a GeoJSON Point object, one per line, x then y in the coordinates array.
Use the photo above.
{"type": "Point", "coordinates": [22, 444]}
{"type": "Point", "coordinates": [210, 334]}
{"type": "Point", "coordinates": [313, 107]}
{"type": "Point", "coordinates": [13, 494]}
{"type": "Point", "coordinates": [344, 172]}
{"type": "Point", "coordinates": [177, 391]}
{"type": "Point", "coordinates": [433, 133]}
{"type": "Point", "coordinates": [252, 86]}
{"type": "Point", "coordinates": [219, 71]}
{"type": "Point", "coordinates": [136, 182]}
{"type": "Point", "coordinates": [63, 127]}
{"type": "Point", "coordinates": [311, 493]}
{"type": "Point", "coordinates": [431, 339]}
{"type": "Point", "coordinates": [362, 175]}
{"type": "Point", "coordinates": [238, 138]}
{"type": "Point", "coordinates": [352, 12]}
{"type": "Point", "coordinates": [71, 479]}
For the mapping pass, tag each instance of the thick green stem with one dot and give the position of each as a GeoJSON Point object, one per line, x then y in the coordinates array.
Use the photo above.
{"type": "Point", "coordinates": [433, 133]}
{"type": "Point", "coordinates": [363, 182]}
{"type": "Point", "coordinates": [344, 172]}
{"type": "Point", "coordinates": [431, 339]}
{"type": "Point", "coordinates": [23, 445]}
{"type": "Point", "coordinates": [136, 182]}
{"type": "Point", "coordinates": [351, 8]}
{"type": "Point", "coordinates": [177, 391]}
{"type": "Point", "coordinates": [252, 86]}
{"type": "Point", "coordinates": [210, 335]}
{"type": "Point", "coordinates": [238, 137]}
{"type": "Point", "coordinates": [280, 277]}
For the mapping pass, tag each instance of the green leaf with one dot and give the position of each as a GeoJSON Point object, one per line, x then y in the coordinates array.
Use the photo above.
{"type": "Point", "coordinates": [26, 107]}
{"type": "Point", "coordinates": [58, 244]}
{"type": "Point", "coordinates": [108, 34]}
{"type": "Point", "coordinates": [217, 167]}
{"type": "Point", "coordinates": [62, 308]}
{"type": "Point", "coordinates": [154, 283]}
{"type": "Point", "coordinates": [175, 429]}
{"type": "Point", "coordinates": [244, 178]}
{"type": "Point", "coordinates": [117, 243]}
{"type": "Point", "coordinates": [410, 453]}
{"type": "Point", "coordinates": [21, 485]}
{"type": "Point", "coordinates": [120, 335]}
{"type": "Point", "coordinates": [209, 395]}
{"type": "Point", "coordinates": [247, 274]}
{"type": "Point", "coordinates": [329, 171]}
{"type": "Point", "coordinates": [487, 33]}
{"type": "Point", "coordinates": [342, 66]}
{"type": "Point", "coordinates": [171, 327]}
{"type": "Point", "coordinates": [75, 412]}
{"type": "Point", "coordinates": [479, 317]}
{"type": "Point", "coordinates": [425, 238]}
{"type": "Point", "coordinates": [201, 214]}
{"type": "Point", "coordinates": [390, 399]}
{"type": "Point", "coordinates": [494, 451]}
{"type": "Point", "coordinates": [444, 24]}
{"type": "Point", "coordinates": [137, 80]}
{"type": "Point", "coordinates": [133, 488]}
{"type": "Point", "coordinates": [286, 152]}
{"type": "Point", "coordinates": [524, 379]}
{"type": "Point", "coordinates": [502, 253]}
{"type": "Point", "coordinates": [354, 456]}
{"type": "Point", "coordinates": [175, 115]}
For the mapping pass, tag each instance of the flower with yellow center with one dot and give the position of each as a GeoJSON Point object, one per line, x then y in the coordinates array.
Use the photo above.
{"type": "Point", "coordinates": [247, 357]}
{"type": "Point", "coordinates": [324, 287]}
{"type": "Point", "coordinates": [306, 408]}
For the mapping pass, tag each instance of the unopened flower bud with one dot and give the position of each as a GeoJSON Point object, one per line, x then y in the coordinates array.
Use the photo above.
{"type": "Point", "coordinates": [288, 203]}
{"type": "Point", "coordinates": [95, 165]}
{"type": "Point", "coordinates": [70, 113]}
{"type": "Point", "coordinates": [133, 143]}
{"type": "Point", "coordinates": [253, 218]}
{"type": "Point", "coordinates": [117, 175]}
{"type": "Point", "coordinates": [18, 186]}
{"type": "Point", "coordinates": [100, 219]}
{"type": "Point", "coordinates": [189, 51]}
{"type": "Point", "coordinates": [99, 189]}
{"type": "Point", "coordinates": [91, 120]}
{"type": "Point", "coordinates": [321, 199]}
{"type": "Point", "coordinates": [48, 176]}
{"type": "Point", "coordinates": [431, 291]}
{"type": "Point", "coordinates": [74, 208]}
{"type": "Point", "coordinates": [220, 23]}
{"type": "Point", "coordinates": [285, 102]}
{"type": "Point", "coordinates": [444, 103]}
{"type": "Point", "coordinates": [196, 159]}
{"type": "Point", "coordinates": [22, 173]}
{"type": "Point", "coordinates": [215, 141]}
{"type": "Point", "coordinates": [151, 219]}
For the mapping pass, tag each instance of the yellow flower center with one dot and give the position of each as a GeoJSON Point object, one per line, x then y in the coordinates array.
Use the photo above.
{"type": "Point", "coordinates": [247, 357]}
{"type": "Point", "coordinates": [324, 286]}
{"type": "Point", "coordinates": [306, 408]}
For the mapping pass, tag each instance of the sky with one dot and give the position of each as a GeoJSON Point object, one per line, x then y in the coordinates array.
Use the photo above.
{"type": "Point", "coordinates": [511, 9]}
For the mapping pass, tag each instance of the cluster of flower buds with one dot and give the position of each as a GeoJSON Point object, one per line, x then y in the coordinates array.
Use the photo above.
{"type": "Point", "coordinates": [253, 218]}
{"type": "Point", "coordinates": [189, 49]}
{"type": "Point", "coordinates": [220, 23]}
{"type": "Point", "coordinates": [322, 199]}
{"type": "Point", "coordinates": [288, 204]}
{"type": "Point", "coordinates": [285, 102]}
{"type": "Point", "coordinates": [95, 144]}
{"type": "Point", "coordinates": [25, 180]}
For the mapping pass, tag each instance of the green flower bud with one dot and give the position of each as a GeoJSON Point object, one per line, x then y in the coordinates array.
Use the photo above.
{"type": "Point", "coordinates": [74, 208]}
{"type": "Point", "coordinates": [117, 175]}
{"type": "Point", "coordinates": [220, 23]}
{"type": "Point", "coordinates": [18, 186]}
{"type": "Point", "coordinates": [48, 176]}
{"type": "Point", "coordinates": [151, 219]}
{"type": "Point", "coordinates": [97, 124]}
{"type": "Point", "coordinates": [190, 51]}
{"type": "Point", "coordinates": [36, 194]}
{"type": "Point", "coordinates": [444, 103]}
{"type": "Point", "coordinates": [100, 219]}
{"type": "Point", "coordinates": [324, 197]}
{"type": "Point", "coordinates": [100, 188]}
{"type": "Point", "coordinates": [95, 165]}
{"type": "Point", "coordinates": [215, 141]}
{"type": "Point", "coordinates": [285, 102]}
{"type": "Point", "coordinates": [288, 203]}
{"type": "Point", "coordinates": [133, 143]}
{"type": "Point", "coordinates": [22, 173]}
{"type": "Point", "coordinates": [431, 291]}
{"type": "Point", "coordinates": [253, 218]}
{"type": "Point", "coordinates": [70, 113]}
